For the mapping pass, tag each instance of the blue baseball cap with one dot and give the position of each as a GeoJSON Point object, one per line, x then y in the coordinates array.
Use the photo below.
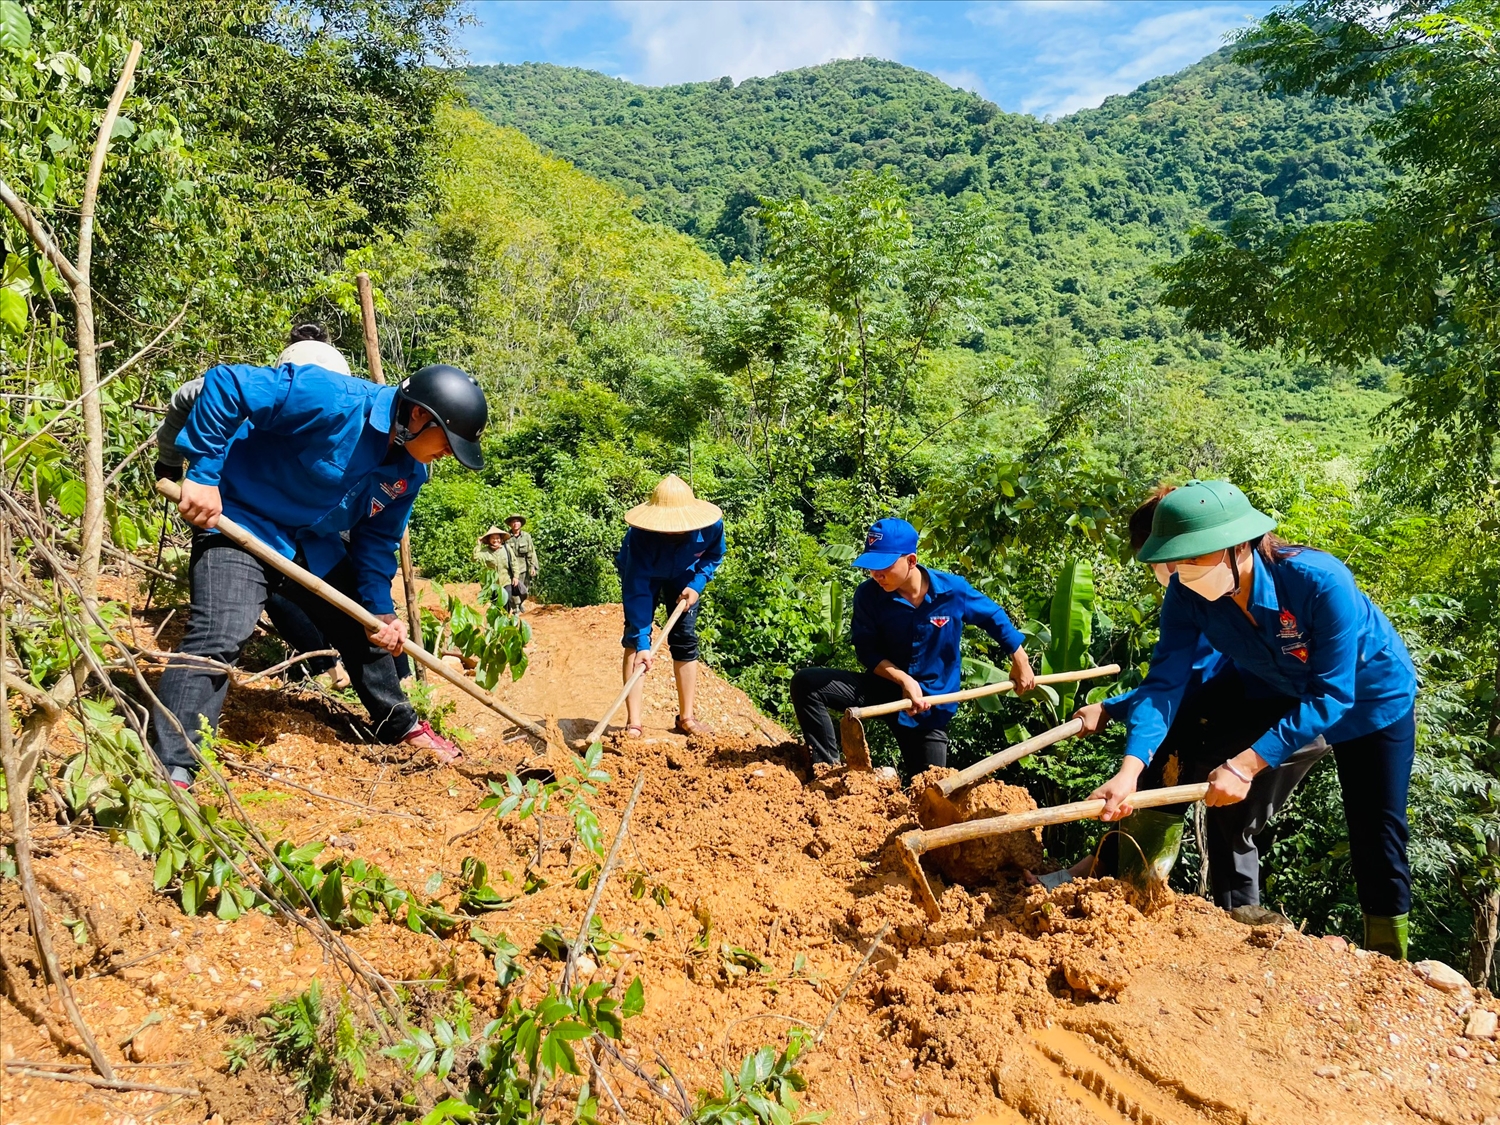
{"type": "Point", "coordinates": [887, 541]}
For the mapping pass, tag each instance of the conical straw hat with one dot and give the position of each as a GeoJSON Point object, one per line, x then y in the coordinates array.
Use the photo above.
{"type": "Point", "coordinates": [673, 508]}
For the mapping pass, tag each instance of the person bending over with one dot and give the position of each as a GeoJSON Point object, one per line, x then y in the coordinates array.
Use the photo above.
{"type": "Point", "coordinates": [908, 622]}
{"type": "Point", "coordinates": [674, 545]}
{"type": "Point", "coordinates": [300, 456]}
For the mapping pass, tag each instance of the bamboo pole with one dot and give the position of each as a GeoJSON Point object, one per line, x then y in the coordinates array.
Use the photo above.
{"type": "Point", "coordinates": [237, 534]}
{"type": "Point", "coordinates": [634, 676]}
{"type": "Point", "coordinates": [377, 374]}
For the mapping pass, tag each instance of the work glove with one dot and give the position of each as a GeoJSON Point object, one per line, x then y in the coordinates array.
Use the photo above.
{"type": "Point", "coordinates": [167, 472]}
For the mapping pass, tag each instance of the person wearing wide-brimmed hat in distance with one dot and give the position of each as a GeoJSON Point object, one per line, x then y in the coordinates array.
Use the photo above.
{"type": "Point", "coordinates": [523, 550]}
{"type": "Point", "coordinates": [493, 552]}
{"type": "Point", "coordinates": [674, 545]}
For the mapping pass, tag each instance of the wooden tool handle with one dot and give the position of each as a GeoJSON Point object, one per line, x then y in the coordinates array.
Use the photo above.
{"type": "Point", "coordinates": [237, 534]}
{"type": "Point", "coordinates": [636, 675]}
{"type": "Point", "coordinates": [921, 842]}
{"type": "Point", "coordinates": [988, 689]}
{"type": "Point", "coordinates": [1010, 754]}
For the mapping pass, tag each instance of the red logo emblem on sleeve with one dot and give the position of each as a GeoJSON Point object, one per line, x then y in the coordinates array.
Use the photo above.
{"type": "Point", "coordinates": [940, 621]}
{"type": "Point", "coordinates": [1289, 627]}
{"type": "Point", "coordinates": [1299, 651]}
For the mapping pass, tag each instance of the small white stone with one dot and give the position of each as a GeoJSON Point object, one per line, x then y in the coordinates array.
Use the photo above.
{"type": "Point", "coordinates": [1327, 1072]}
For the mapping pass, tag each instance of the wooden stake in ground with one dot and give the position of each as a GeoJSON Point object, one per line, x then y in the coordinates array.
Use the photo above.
{"type": "Point", "coordinates": [377, 373]}
{"type": "Point", "coordinates": [237, 534]}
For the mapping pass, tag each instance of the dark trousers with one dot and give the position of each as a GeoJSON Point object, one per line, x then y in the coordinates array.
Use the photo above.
{"type": "Point", "coordinates": [818, 691]}
{"type": "Point", "coordinates": [296, 628]}
{"type": "Point", "coordinates": [229, 587]}
{"type": "Point", "coordinates": [1220, 721]}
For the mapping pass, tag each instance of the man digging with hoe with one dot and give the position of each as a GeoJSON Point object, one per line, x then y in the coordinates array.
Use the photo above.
{"type": "Point", "coordinates": [298, 454]}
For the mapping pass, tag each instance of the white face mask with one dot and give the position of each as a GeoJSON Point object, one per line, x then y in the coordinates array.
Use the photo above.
{"type": "Point", "coordinates": [1162, 571]}
{"type": "Point", "coordinates": [1210, 582]}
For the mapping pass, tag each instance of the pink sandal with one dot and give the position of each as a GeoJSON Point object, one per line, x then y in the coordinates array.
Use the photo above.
{"type": "Point", "coordinates": [423, 737]}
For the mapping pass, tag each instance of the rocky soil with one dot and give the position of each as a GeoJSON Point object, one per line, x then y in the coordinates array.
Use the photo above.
{"type": "Point", "coordinates": [1074, 1007]}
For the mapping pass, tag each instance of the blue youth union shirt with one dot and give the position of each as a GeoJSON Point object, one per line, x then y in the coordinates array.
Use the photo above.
{"type": "Point", "coordinates": [649, 560]}
{"type": "Point", "coordinates": [298, 454]}
{"type": "Point", "coordinates": [1206, 665]}
{"type": "Point", "coordinates": [1317, 638]}
{"type": "Point", "coordinates": [923, 639]}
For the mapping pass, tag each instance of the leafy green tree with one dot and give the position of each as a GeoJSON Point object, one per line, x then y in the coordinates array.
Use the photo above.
{"type": "Point", "coordinates": [1414, 277]}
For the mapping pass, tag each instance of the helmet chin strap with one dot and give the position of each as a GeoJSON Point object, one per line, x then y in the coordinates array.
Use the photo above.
{"type": "Point", "coordinates": [1234, 566]}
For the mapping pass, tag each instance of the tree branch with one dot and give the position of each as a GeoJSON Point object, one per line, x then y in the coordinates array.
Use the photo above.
{"type": "Point", "coordinates": [39, 235]}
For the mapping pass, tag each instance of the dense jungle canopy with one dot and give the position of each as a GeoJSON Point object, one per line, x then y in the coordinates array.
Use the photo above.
{"type": "Point", "coordinates": [822, 297]}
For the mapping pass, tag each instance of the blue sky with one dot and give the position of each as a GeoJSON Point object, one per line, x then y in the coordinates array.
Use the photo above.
{"type": "Point", "coordinates": [1044, 57]}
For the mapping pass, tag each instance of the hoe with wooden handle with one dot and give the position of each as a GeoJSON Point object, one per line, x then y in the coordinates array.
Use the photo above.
{"type": "Point", "coordinates": [634, 679]}
{"type": "Point", "coordinates": [916, 843]}
{"type": "Point", "coordinates": [852, 728]}
{"type": "Point", "coordinates": [935, 807]}
{"type": "Point", "coordinates": [237, 534]}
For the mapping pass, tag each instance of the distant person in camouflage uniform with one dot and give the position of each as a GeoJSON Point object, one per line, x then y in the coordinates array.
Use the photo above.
{"type": "Point", "coordinates": [524, 551]}
{"type": "Point", "coordinates": [493, 551]}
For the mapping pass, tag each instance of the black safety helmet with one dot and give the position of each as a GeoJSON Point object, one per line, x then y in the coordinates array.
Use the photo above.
{"type": "Point", "coordinates": [457, 403]}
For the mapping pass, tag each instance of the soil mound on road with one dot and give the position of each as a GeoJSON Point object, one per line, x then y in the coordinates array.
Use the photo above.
{"type": "Point", "coordinates": [747, 895]}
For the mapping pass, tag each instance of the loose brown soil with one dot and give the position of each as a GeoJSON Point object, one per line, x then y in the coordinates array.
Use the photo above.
{"type": "Point", "coordinates": [1018, 1007]}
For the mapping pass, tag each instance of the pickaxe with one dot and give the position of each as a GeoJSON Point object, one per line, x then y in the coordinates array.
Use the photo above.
{"type": "Point", "coordinates": [852, 729]}
{"type": "Point", "coordinates": [916, 843]}
{"type": "Point", "coordinates": [237, 534]}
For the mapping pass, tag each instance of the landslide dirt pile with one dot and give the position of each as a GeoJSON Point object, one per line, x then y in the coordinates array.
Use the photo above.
{"type": "Point", "coordinates": [1074, 1007]}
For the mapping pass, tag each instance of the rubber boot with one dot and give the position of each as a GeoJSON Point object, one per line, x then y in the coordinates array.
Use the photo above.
{"type": "Point", "coordinates": [1157, 837]}
{"type": "Point", "coordinates": [1386, 933]}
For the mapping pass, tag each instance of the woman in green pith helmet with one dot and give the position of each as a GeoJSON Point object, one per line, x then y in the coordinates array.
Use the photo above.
{"type": "Point", "coordinates": [1314, 656]}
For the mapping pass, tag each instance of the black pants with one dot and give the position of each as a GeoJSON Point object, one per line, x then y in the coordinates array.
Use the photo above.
{"type": "Point", "coordinates": [229, 588]}
{"type": "Point", "coordinates": [818, 691]}
{"type": "Point", "coordinates": [296, 628]}
{"type": "Point", "coordinates": [1374, 773]}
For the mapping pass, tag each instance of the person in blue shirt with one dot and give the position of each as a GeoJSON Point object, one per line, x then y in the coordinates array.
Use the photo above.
{"type": "Point", "coordinates": [323, 468]}
{"type": "Point", "coordinates": [908, 621]}
{"type": "Point", "coordinates": [1214, 688]}
{"type": "Point", "coordinates": [1313, 656]}
{"type": "Point", "coordinates": [674, 545]}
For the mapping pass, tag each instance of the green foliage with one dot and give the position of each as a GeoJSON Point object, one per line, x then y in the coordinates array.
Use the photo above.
{"type": "Point", "coordinates": [533, 797]}
{"type": "Point", "coordinates": [764, 1092]}
{"type": "Point", "coordinates": [518, 1055]}
{"type": "Point", "coordinates": [491, 640]}
{"type": "Point", "coordinates": [321, 1049]}
{"type": "Point", "coordinates": [1410, 280]}
{"type": "Point", "coordinates": [1071, 628]}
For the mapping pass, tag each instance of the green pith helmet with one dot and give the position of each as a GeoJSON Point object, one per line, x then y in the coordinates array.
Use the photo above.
{"type": "Point", "coordinates": [1201, 517]}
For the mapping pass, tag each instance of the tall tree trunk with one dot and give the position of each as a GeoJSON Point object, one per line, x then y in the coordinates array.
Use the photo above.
{"type": "Point", "coordinates": [1486, 930]}
{"type": "Point", "coordinates": [91, 538]}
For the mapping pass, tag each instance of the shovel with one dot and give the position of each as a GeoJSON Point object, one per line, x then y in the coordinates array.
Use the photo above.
{"type": "Point", "coordinates": [237, 534]}
{"type": "Point", "coordinates": [634, 678]}
{"type": "Point", "coordinates": [852, 728]}
{"type": "Point", "coordinates": [916, 843]}
{"type": "Point", "coordinates": [935, 805]}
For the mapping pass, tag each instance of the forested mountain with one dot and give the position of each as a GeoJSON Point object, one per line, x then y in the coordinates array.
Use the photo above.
{"type": "Point", "coordinates": [1179, 148]}
{"type": "Point", "coordinates": [1084, 206]}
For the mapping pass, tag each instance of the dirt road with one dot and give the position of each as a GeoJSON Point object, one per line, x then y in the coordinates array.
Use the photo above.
{"type": "Point", "coordinates": [1017, 1007]}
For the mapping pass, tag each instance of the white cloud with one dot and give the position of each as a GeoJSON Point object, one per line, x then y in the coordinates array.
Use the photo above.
{"type": "Point", "coordinates": [964, 79]}
{"type": "Point", "coordinates": [1082, 70]}
{"type": "Point", "coordinates": [691, 42]}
